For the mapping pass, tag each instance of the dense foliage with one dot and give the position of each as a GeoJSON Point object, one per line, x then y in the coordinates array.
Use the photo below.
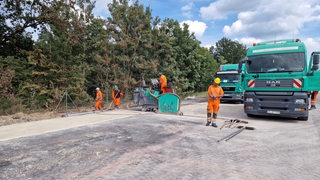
{"type": "Point", "coordinates": [75, 52]}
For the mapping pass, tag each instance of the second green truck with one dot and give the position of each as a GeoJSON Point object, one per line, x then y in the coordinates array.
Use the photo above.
{"type": "Point", "coordinates": [231, 82]}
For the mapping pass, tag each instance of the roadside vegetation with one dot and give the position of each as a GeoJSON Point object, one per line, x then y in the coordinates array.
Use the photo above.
{"type": "Point", "coordinates": [52, 47]}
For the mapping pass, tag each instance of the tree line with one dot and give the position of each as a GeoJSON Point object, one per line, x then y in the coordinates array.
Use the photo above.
{"type": "Point", "coordinates": [75, 51]}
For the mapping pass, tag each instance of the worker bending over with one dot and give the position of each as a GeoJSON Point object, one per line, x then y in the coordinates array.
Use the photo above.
{"type": "Point", "coordinates": [163, 83]}
{"type": "Point", "coordinates": [116, 96]}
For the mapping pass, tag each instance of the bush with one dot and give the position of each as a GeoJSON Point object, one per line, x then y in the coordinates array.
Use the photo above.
{"type": "Point", "coordinates": [5, 105]}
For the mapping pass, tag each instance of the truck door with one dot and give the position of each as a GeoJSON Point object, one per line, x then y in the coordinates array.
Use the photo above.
{"type": "Point", "coordinates": [313, 76]}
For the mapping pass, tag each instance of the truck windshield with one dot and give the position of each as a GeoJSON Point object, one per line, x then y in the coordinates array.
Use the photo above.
{"type": "Point", "coordinates": [227, 78]}
{"type": "Point", "coordinates": [285, 62]}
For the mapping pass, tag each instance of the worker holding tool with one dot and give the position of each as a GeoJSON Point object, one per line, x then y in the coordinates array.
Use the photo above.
{"type": "Point", "coordinates": [313, 99]}
{"type": "Point", "coordinates": [116, 96]}
{"type": "Point", "coordinates": [162, 82]}
{"type": "Point", "coordinates": [98, 99]}
{"type": "Point", "coordinates": [215, 92]}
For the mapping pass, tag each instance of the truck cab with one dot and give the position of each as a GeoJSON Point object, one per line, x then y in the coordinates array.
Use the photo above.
{"type": "Point", "coordinates": [278, 79]}
{"type": "Point", "coordinates": [231, 82]}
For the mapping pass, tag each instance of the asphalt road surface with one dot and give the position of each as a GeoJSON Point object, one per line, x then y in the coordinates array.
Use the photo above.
{"type": "Point", "coordinates": [126, 144]}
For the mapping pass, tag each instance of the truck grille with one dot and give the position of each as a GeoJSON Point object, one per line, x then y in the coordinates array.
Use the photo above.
{"type": "Point", "coordinates": [283, 83]}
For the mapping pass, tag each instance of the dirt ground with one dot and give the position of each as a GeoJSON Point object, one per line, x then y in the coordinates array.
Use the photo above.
{"type": "Point", "coordinates": [163, 146]}
{"type": "Point", "coordinates": [26, 117]}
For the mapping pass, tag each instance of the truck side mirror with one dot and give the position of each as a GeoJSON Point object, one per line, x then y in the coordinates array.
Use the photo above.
{"type": "Point", "coordinates": [240, 67]}
{"type": "Point", "coordinates": [241, 62]}
{"type": "Point", "coordinates": [315, 62]}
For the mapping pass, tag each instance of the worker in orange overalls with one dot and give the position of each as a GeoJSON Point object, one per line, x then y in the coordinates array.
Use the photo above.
{"type": "Point", "coordinates": [116, 96]}
{"type": "Point", "coordinates": [98, 99]}
{"type": "Point", "coordinates": [215, 92]}
{"type": "Point", "coordinates": [163, 83]}
{"type": "Point", "coordinates": [313, 99]}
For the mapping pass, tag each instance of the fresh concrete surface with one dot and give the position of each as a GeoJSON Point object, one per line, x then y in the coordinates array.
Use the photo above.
{"type": "Point", "coordinates": [50, 125]}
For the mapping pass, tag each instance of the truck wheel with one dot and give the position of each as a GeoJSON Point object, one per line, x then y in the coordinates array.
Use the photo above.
{"type": "Point", "coordinates": [303, 118]}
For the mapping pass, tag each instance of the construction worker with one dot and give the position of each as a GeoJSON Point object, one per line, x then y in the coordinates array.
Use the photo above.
{"type": "Point", "coordinates": [313, 99]}
{"type": "Point", "coordinates": [116, 96]}
{"type": "Point", "coordinates": [169, 88]}
{"type": "Point", "coordinates": [98, 99]}
{"type": "Point", "coordinates": [215, 92]}
{"type": "Point", "coordinates": [163, 83]}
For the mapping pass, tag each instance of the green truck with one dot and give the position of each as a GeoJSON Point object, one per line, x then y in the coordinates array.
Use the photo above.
{"type": "Point", "coordinates": [231, 82]}
{"type": "Point", "coordinates": [278, 79]}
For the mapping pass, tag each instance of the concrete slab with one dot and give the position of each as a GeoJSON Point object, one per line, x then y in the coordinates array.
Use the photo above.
{"type": "Point", "coordinates": [51, 125]}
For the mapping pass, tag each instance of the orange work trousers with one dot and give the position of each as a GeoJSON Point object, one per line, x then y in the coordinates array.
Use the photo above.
{"type": "Point", "coordinates": [163, 89]}
{"type": "Point", "coordinates": [116, 102]}
{"type": "Point", "coordinates": [314, 97]}
{"type": "Point", "coordinates": [98, 105]}
{"type": "Point", "coordinates": [213, 106]}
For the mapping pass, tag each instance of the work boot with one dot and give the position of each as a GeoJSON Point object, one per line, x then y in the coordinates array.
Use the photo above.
{"type": "Point", "coordinates": [208, 123]}
{"type": "Point", "coordinates": [214, 124]}
{"type": "Point", "coordinates": [313, 107]}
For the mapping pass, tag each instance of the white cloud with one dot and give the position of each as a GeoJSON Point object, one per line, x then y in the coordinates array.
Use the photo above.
{"type": "Point", "coordinates": [312, 45]}
{"type": "Point", "coordinates": [195, 26]}
{"type": "Point", "coordinates": [220, 9]}
{"type": "Point", "coordinates": [263, 18]}
{"type": "Point", "coordinates": [101, 7]}
{"type": "Point", "coordinates": [248, 41]}
{"type": "Point", "coordinates": [187, 7]}
{"type": "Point", "coordinates": [186, 10]}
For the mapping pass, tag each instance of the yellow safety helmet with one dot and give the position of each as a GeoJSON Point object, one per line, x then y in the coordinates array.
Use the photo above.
{"type": "Point", "coordinates": [217, 80]}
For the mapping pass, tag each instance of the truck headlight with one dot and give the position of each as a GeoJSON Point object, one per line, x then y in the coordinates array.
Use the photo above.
{"type": "Point", "coordinates": [300, 101]}
{"type": "Point", "coordinates": [249, 99]}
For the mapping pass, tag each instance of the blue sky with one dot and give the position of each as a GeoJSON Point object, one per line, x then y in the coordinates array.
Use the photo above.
{"type": "Point", "coordinates": [246, 21]}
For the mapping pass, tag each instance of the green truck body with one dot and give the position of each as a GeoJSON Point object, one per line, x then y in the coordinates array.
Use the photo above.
{"type": "Point", "coordinates": [278, 79]}
{"type": "Point", "coordinates": [231, 82]}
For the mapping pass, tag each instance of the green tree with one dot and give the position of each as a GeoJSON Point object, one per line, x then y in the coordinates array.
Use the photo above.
{"type": "Point", "coordinates": [231, 51]}
{"type": "Point", "coordinates": [131, 35]}
{"type": "Point", "coordinates": [188, 65]}
{"type": "Point", "coordinates": [58, 61]}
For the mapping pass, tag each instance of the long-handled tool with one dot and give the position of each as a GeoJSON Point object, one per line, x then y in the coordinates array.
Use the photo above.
{"type": "Point", "coordinates": [231, 135]}
{"type": "Point", "coordinates": [232, 123]}
{"type": "Point", "coordinates": [235, 133]}
{"type": "Point", "coordinates": [110, 105]}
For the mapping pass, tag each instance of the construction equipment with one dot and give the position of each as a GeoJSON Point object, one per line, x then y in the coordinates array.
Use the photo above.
{"type": "Point", "coordinates": [169, 103]}
{"type": "Point", "coordinates": [147, 97]}
{"type": "Point", "coordinates": [150, 99]}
